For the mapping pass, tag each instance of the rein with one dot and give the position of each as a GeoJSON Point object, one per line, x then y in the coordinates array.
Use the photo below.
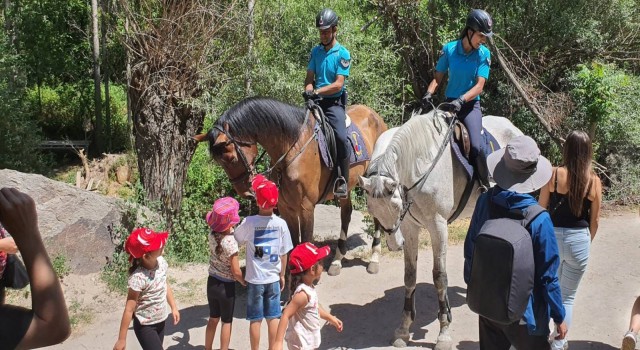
{"type": "Point", "coordinates": [250, 168]}
{"type": "Point", "coordinates": [407, 202]}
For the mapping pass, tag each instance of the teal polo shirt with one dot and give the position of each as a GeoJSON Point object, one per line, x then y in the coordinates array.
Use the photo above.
{"type": "Point", "coordinates": [464, 68]}
{"type": "Point", "coordinates": [327, 65]}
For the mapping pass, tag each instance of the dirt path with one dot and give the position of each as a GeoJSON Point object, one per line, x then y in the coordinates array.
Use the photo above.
{"type": "Point", "coordinates": [370, 305]}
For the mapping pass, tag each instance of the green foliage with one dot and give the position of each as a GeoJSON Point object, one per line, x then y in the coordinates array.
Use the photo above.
{"type": "Point", "coordinates": [286, 33]}
{"type": "Point", "coordinates": [19, 134]}
{"type": "Point", "coordinates": [61, 266]}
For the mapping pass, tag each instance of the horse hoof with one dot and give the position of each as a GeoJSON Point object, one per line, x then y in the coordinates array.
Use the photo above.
{"type": "Point", "coordinates": [399, 343]}
{"type": "Point", "coordinates": [373, 268]}
{"type": "Point", "coordinates": [334, 270]}
{"type": "Point", "coordinates": [444, 344]}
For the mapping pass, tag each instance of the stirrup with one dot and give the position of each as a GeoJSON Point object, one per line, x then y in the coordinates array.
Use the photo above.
{"type": "Point", "coordinates": [340, 188]}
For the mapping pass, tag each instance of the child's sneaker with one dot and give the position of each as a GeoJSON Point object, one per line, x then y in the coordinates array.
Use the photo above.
{"type": "Point", "coordinates": [629, 341]}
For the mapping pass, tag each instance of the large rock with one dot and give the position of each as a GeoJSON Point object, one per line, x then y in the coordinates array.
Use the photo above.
{"type": "Point", "coordinates": [73, 222]}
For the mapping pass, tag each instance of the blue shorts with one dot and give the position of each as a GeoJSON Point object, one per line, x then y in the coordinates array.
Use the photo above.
{"type": "Point", "coordinates": [263, 301]}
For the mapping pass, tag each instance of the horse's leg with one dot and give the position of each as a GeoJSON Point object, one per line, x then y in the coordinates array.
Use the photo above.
{"type": "Point", "coordinates": [439, 240]}
{"type": "Point", "coordinates": [410, 233]}
{"type": "Point", "coordinates": [374, 263]}
{"type": "Point", "coordinates": [345, 218]}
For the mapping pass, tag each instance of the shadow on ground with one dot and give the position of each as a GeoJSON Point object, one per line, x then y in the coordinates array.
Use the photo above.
{"type": "Point", "coordinates": [197, 316]}
{"type": "Point", "coordinates": [373, 324]}
{"type": "Point", "coordinates": [573, 345]}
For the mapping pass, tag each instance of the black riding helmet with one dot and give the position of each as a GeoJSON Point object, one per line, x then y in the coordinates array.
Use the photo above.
{"type": "Point", "coordinates": [326, 18]}
{"type": "Point", "coordinates": [480, 21]}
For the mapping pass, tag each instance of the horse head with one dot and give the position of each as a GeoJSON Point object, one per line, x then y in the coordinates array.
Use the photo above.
{"type": "Point", "coordinates": [385, 203]}
{"type": "Point", "coordinates": [236, 158]}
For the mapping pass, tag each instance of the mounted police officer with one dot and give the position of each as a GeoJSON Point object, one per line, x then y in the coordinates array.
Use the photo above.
{"type": "Point", "coordinates": [467, 61]}
{"type": "Point", "coordinates": [327, 73]}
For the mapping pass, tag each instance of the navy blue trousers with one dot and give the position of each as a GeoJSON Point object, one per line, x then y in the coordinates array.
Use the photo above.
{"type": "Point", "coordinates": [334, 110]}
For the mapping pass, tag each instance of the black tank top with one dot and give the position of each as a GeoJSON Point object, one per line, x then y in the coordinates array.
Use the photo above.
{"type": "Point", "coordinates": [560, 211]}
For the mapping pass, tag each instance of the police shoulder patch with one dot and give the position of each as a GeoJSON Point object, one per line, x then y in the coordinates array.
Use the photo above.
{"type": "Point", "coordinates": [345, 63]}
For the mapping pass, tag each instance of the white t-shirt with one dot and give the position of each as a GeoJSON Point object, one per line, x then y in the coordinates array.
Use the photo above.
{"type": "Point", "coordinates": [266, 239]}
{"type": "Point", "coordinates": [303, 332]}
{"type": "Point", "coordinates": [152, 304]}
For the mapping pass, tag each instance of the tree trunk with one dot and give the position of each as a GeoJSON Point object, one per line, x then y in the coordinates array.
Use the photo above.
{"type": "Point", "coordinates": [105, 8]}
{"type": "Point", "coordinates": [250, 58]}
{"type": "Point", "coordinates": [97, 95]}
{"type": "Point", "coordinates": [163, 128]}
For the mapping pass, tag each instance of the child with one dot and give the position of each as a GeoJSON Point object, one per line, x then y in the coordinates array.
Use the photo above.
{"type": "Point", "coordinates": [304, 310]}
{"type": "Point", "coordinates": [224, 270]}
{"type": "Point", "coordinates": [268, 241]}
{"type": "Point", "coordinates": [149, 291]}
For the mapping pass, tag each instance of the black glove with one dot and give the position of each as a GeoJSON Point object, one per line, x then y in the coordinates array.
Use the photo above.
{"type": "Point", "coordinates": [456, 105]}
{"type": "Point", "coordinates": [427, 100]}
{"type": "Point", "coordinates": [309, 95]}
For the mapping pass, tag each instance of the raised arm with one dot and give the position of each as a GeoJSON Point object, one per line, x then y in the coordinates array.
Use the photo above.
{"type": "Point", "coordinates": [47, 322]}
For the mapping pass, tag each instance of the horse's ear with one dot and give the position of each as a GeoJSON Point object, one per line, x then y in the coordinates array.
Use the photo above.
{"type": "Point", "coordinates": [226, 128]}
{"type": "Point", "coordinates": [365, 183]}
{"type": "Point", "coordinates": [201, 137]}
{"type": "Point", "coordinates": [389, 184]}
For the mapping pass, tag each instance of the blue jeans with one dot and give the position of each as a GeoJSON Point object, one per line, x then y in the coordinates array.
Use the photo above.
{"type": "Point", "coordinates": [573, 245]}
{"type": "Point", "coordinates": [263, 301]}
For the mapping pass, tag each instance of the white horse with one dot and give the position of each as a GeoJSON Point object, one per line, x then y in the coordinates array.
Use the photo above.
{"type": "Point", "coordinates": [396, 178]}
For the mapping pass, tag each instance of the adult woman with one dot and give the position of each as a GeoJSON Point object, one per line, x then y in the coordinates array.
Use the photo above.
{"type": "Point", "coordinates": [573, 197]}
{"type": "Point", "coordinates": [467, 61]}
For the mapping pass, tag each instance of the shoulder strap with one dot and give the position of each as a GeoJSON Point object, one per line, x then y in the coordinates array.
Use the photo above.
{"type": "Point", "coordinates": [555, 184]}
{"type": "Point", "coordinates": [531, 213]}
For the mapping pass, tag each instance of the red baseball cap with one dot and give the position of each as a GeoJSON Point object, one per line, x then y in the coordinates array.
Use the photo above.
{"type": "Point", "coordinates": [266, 192]}
{"type": "Point", "coordinates": [144, 240]}
{"type": "Point", "coordinates": [223, 215]}
{"type": "Point", "coordinates": [305, 255]}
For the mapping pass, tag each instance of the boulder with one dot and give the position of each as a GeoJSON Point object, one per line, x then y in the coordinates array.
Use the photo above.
{"type": "Point", "coordinates": [73, 222]}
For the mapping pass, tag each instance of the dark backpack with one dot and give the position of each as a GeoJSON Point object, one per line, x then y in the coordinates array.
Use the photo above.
{"type": "Point", "coordinates": [503, 269]}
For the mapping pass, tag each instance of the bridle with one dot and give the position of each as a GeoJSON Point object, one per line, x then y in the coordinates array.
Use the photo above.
{"type": "Point", "coordinates": [404, 191]}
{"type": "Point", "coordinates": [250, 169]}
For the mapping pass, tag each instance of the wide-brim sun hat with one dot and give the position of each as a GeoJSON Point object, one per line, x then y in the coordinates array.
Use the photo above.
{"type": "Point", "coordinates": [223, 214]}
{"type": "Point", "coordinates": [519, 167]}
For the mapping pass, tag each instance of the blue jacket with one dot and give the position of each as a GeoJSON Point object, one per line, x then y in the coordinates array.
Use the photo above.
{"type": "Point", "coordinates": [545, 300]}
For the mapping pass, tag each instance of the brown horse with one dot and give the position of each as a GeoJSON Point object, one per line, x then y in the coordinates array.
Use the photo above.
{"type": "Point", "coordinates": [287, 135]}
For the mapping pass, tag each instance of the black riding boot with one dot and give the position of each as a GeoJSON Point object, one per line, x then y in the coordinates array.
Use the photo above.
{"type": "Point", "coordinates": [482, 171]}
{"type": "Point", "coordinates": [341, 184]}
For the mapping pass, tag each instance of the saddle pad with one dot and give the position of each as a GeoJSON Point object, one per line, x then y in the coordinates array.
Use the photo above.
{"type": "Point", "coordinates": [490, 145]}
{"type": "Point", "coordinates": [358, 152]}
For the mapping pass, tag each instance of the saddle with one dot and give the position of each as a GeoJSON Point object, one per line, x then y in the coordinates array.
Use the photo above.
{"type": "Point", "coordinates": [461, 137]}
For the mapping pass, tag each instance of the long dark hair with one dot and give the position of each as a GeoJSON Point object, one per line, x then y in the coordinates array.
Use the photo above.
{"type": "Point", "coordinates": [218, 237]}
{"type": "Point", "coordinates": [295, 281]}
{"type": "Point", "coordinates": [577, 154]}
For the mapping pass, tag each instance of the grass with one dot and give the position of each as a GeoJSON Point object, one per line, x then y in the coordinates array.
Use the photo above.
{"type": "Point", "coordinates": [61, 266]}
{"type": "Point", "coordinates": [79, 315]}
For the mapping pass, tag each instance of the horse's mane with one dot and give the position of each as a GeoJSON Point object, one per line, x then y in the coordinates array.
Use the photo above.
{"type": "Point", "coordinates": [258, 115]}
{"type": "Point", "coordinates": [410, 151]}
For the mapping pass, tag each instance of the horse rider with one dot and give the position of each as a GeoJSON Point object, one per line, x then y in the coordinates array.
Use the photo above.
{"type": "Point", "coordinates": [327, 73]}
{"type": "Point", "coordinates": [467, 61]}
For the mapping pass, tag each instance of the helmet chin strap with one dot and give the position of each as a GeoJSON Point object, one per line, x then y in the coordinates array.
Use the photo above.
{"type": "Point", "coordinates": [333, 37]}
{"type": "Point", "coordinates": [469, 39]}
